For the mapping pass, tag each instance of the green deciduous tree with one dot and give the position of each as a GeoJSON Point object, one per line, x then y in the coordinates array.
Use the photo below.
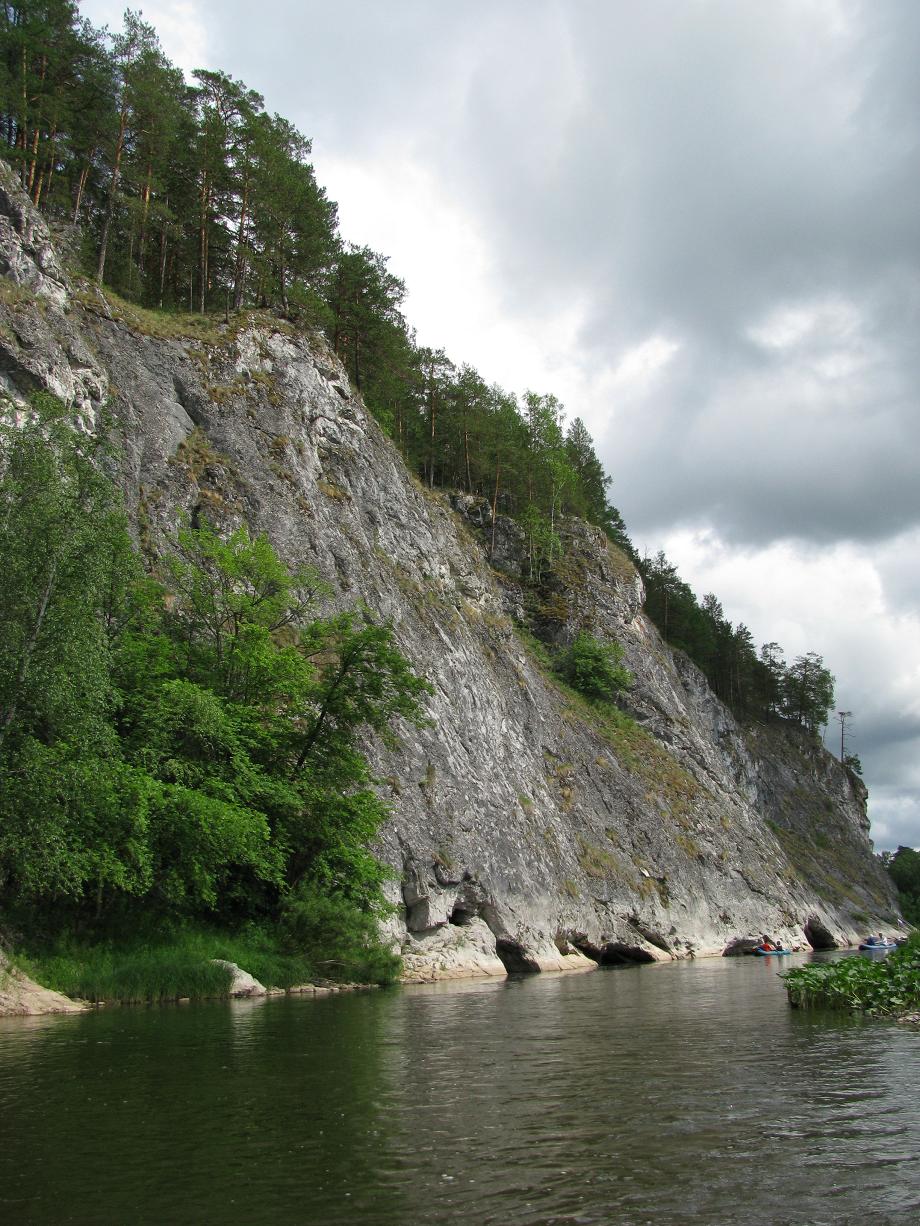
{"type": "Point", "coordinates": [190, 743]}
{"type": "Point", "coordinates": [904, 868]}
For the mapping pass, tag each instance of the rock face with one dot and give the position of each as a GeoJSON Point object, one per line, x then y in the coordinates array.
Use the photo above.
{"type": "Point", "coordinates": [524, 832]}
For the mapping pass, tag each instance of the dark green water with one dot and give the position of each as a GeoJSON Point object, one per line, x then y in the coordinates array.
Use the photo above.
{"type": "Point", "coordinates": [673, 1094]}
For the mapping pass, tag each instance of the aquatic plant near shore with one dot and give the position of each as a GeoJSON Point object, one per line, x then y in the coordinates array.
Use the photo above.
{"type": "Point", "coordinates": [861, 985]}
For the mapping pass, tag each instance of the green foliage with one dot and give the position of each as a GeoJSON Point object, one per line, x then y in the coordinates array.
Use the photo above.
{"type": "Point", "coordinates": [889, 986]}
{"type": "Point", "coordinates": [904, 868]}
{"type": "Point", "coordinates": [187, 746]}
{"type": "Point", "coordinates": [753, 686]}
{"type": "Point", "coordinates": [339, 939]}
{"type": "Point", "coordinates": [130, 973]}
{"type": "Point", "coordinates": [594, 668]}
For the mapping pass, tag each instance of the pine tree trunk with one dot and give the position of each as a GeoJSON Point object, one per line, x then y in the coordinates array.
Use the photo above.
{"type": "Point", "coordinates": [44, 187]}
{"type": "Point", "coordinates": [162, 264]}
{"type": "Point", "coordinates": [142, 246]}
{"type": "Point", "coordinates": [81, 186]}
{"type": "Point", "coordinates": [113, 190]}
{"type": "Point", "coordinates": [498, 469]}
{"type": "Point", "coordinates": [239, 277]}
{"type": "Point", "coordinates": [204, 206]}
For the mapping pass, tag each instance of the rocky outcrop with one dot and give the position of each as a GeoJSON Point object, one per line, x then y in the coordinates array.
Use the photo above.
{"type": "Point", "coordinates": [527, 831]}
{"type": "Point", "coordinates": [27, 255]}
{"type": "Point", "coordinates": [241, 982]}
{"type": "Point", "coordinates": [21, 996]}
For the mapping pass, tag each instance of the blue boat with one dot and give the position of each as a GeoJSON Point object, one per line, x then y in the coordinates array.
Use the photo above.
{"type": "Point", "coordinates": [768, 953]}
{"type": "Point", "coordinates": [879, 945]}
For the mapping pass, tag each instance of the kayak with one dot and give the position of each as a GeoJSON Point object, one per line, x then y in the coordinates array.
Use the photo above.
{"type": "Point", "coordinates": [880, 945]}
{"type": "Point", "coordinates": [766, 953]}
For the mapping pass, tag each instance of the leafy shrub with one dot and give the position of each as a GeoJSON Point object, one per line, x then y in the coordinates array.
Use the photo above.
{"type": "Point", "coordinates": [860, 984]}
{"type": "Point", "coordinates": [594, 668]}
{"type": "Point", "coordinates": [338, 938]}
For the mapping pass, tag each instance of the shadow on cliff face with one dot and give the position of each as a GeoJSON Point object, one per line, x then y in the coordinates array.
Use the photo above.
{"type": "Point", "coordinates": [611, 953]}
{"type": "Point", "coordinates": [516, 960]}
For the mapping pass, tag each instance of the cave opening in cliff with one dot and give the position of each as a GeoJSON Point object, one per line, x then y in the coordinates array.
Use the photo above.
{"type": "Point", "coordinates": [616, 954]}
{"type": "Point", "coordinates": [460, 917]}
{"type": "Point", "coordinates": [515, 960]}
{"type": "Point", "coordinates": [818, 936]}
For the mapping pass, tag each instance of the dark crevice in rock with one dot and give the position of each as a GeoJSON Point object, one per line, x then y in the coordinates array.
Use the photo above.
{"type": "Point", "coordinates": [514, 957]}
{"type": "Point", "coordinates": [616, 953]}
{"type": "Point", "coordinates": [189, 400]}
{"type": "Point", "coordinates": [739, 946]}
{"type": "Point", "coordinates": [817, 934]}
{"type": "Point", "coordinates": [649, 934]}
{"type": "Point", "coordinates": [580, 942]}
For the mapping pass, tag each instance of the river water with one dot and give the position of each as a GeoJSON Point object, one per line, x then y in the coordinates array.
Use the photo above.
{"type": "Point", "coordinates": [683, 1093]}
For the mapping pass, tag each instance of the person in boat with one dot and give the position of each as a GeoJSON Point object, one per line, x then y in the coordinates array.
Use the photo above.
{"type": "Point", "coordinates": [766, 943]}
{"type": "Point", "coordinates": [870, 940]}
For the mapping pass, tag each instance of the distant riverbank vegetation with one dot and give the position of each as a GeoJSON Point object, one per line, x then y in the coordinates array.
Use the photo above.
{"type": "Point", "coordinates": [903, 867]}
{"type": "Point", "coordinates": [889, 986]}
{"type": "Point", "coordinates": [179, 762]}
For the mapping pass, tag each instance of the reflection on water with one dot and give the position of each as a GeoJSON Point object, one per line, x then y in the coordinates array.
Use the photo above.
{"type": "Point", "coordinates": [674, 1094]}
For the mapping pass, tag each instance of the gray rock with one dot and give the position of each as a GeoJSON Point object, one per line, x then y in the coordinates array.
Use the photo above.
{"type": "Point", "coordinates": [27, 255]}
{"type": "Point", "coordinates": [242, 983]}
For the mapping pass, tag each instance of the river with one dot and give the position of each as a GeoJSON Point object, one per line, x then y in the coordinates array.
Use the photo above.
{"type": "Point", "coordinates": [682, 1093]}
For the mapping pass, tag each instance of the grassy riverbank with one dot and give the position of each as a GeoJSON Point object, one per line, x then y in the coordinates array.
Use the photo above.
{"type": "Point", "coordinates": [148, 967]}
{"type": "Point", "coordinates": [886, 987]}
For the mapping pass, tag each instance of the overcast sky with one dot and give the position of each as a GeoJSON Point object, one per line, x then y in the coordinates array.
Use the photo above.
{"type": "Point", "coordinates": [697, 222]}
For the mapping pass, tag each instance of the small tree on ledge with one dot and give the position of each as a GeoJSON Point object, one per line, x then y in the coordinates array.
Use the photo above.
{"type": "Point", "coordinates": [595, 668]}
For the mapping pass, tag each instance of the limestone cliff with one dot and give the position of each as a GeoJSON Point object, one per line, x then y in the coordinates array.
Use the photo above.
{"type": "Point", "coordinates": [524, 827]}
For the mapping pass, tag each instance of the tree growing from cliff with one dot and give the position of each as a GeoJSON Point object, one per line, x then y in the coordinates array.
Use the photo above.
{"type": "Point", "coordinates": [808, 691]}
{"type": "Point", "coordinates": [595, 667]}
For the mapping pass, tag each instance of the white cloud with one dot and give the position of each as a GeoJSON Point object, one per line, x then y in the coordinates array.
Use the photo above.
{"type": "Point", "coordinates": [179, 24]}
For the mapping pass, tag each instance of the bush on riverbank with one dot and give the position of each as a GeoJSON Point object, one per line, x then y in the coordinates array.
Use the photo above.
{"type": "Point", "coordinates": [863, 985]}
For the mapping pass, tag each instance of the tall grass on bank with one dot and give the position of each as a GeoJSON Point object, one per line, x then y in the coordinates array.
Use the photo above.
{"type": "Point", "coordinates": [860, 985]}
{"type": "Point", "coordinates": [137, 975]}
{"type": "Point", "coordinates": [319, 940]}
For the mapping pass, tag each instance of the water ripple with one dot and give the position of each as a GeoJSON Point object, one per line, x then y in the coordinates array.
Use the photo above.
{"type": "Point", "coordinates": [679, 1094]}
